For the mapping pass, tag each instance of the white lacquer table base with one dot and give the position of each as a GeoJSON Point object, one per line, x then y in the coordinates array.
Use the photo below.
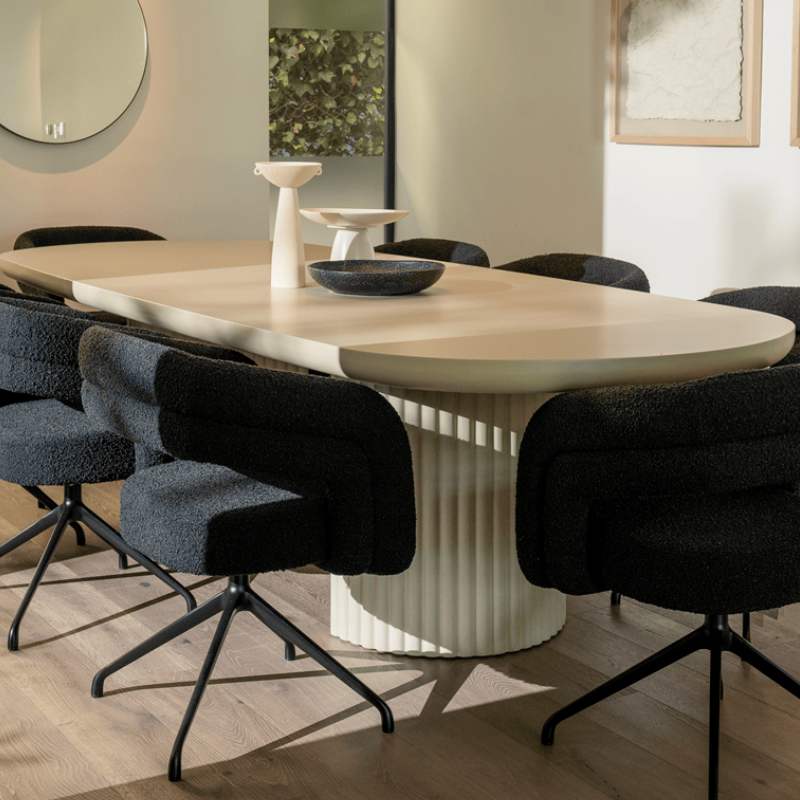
{"type": "Point", "coordinates": [465, 594]}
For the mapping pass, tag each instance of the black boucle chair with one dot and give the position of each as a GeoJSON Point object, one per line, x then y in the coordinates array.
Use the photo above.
{"type": "Point", "coordinates": [274, 470]}
{"type": "Point", "coordinates": [683, 496]}
{"type": "Point", "coordinates": [584, 269]}
{"type": "Point", "coordinates": [83, 234]}
{"type": "Point", "coordinates": [438, 250]}
{"type": "Point", "coordinates": [46, 439]}
{"type": "Point", "coordinates": [77, 234]}
{"type": "Point", "coordinates": [43, 500]}
{"type": "Point", "coordinates": [783, 301]}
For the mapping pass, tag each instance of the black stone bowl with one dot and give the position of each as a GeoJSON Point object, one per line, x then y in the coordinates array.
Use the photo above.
{"type": "Point", "coordinates": [376, 278]}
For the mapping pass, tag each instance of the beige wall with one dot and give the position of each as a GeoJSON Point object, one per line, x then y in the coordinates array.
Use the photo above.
{"type": "Point", "coordinates": [501, 135]}
{"type": "Point", "coordinates": [180, 160]}
{"type": "Point", "coordinates": [501, 122]}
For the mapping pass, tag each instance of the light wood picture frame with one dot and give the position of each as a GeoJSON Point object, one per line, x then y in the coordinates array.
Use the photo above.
{"type": "Point", "coordinates": [795, 129]}
{"type": "Point", "coordinates": [744, 132]}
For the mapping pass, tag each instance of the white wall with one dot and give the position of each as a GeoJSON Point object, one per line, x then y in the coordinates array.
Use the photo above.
{"type": "Point", "coordinates": [500, 117]}
{"type": "Point", "coordinates": [701, 218]}
{"type": "Point", "coordinates": [180, 161]}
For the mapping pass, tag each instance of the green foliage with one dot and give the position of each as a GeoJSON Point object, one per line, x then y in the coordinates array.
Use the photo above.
{"type": "Point", "coordinates": [326, 92]}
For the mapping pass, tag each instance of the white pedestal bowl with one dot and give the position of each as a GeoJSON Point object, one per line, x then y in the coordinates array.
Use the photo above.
{"type": "Point", "coordinates": [352, 224]}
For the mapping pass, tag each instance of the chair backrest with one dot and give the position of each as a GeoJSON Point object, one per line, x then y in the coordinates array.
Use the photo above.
{"type": "Point", "coordinates": [438, 250]}
{"type": "Point", "coordinates": [784, 301]}
{"type": "Point", "coordinates": [334, 438]}
{"type": "Point", "coordinates": [584, 269]}
{"type": "Point", "coordinates": [39, 343]}
{"type": "Point", "coordinates": [7, 291]}
{"type": "Point", "coordinates": [76, 234]}
{"type": "Point", "coordinates": [39, 348]}
{"type": "Point", "coordinates": [82, 234]}
{"type": "Point", "coordinates": [725, 434]}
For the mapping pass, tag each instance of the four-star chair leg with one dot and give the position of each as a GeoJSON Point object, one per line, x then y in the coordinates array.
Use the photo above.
{"type": "Point", "coordinates": [717, 637]}
{"type": "Point", "coordinates": [237, 596]}
{"type": "Point", "coordinates": [72, 512]}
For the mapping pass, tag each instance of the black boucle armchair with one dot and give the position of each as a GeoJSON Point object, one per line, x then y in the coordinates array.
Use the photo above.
{"type": "Point", "coordinates": [438, 250]}
{"type": "Point", "coordinates": [46, 439]}
{"type": "Point", "coordinates": [683, 496]}
{"type": "Point", "coordinates": [598, 270]}
{"type": "Point", "coordinates": [784, 301]}
{"type": "Point", "coordinates": [77, 234]}
{"type": "Point", "coordinates": [272, 470]}
{"type": "Point", "coordinates": [83, 234]}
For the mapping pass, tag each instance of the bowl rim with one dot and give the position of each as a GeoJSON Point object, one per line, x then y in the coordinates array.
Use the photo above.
{"type": "Point", "coordinates": [421, 266]}
{"type": "Point", "coordinates": [344, 211]}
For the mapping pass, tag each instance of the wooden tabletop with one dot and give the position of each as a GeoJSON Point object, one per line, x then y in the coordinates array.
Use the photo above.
{"type": "Point", "coordinates": [477, 331]}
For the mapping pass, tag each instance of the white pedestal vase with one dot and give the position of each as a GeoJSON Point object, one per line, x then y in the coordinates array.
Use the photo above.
{"type": "Point", "coordinates": [288, 249]}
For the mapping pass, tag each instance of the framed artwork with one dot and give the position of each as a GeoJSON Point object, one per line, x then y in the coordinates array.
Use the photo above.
{"type": "Point", "coordinates": [687, 72]}
{"type": "Point", "coordinates": [795, 132]}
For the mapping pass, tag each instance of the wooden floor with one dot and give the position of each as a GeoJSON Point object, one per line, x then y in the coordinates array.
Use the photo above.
{"type": "Point", "coordinates": [467, 729]}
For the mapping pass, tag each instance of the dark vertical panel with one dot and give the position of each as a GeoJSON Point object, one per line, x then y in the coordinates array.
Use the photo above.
{"type": "Point", "coordinates": [390, 153]}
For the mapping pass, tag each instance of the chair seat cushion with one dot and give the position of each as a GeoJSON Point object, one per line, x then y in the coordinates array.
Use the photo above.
{"type": "Point", "coordinates": [710, 554]}
{"type": "Point", "coordinates": [206, 519]}
{"type": "Point", "coordinates": [792, 357]}
{"type": "Point", "coordinates": [44, 442]}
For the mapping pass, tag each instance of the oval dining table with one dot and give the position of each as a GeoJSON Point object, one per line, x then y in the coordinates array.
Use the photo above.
{"type": "Point", "coordinates": [465, 364]}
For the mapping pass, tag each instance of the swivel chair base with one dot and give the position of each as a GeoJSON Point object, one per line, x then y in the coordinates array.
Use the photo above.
{"type": "Point", "coordinates": [616, 601]}
{"type": "Point", "coordinates": [715, 636]}
{"type": "Point", "coordinates": [73, 512]}
{"type": "Point", "coordinates": [46, 503]}
{"type": "Point", "coordinates": [238, 596]}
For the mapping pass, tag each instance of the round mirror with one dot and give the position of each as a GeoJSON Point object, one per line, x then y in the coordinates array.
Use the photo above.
{"type": "Point", "coordinates": [69, 68]}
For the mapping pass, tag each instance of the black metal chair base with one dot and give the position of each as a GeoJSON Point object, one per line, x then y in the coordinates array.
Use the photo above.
{"type": "Point", "coordinates": [715, 636]}
{"type": "Point", "coordinates": [238, 596]}
{"type": "Point", "coordinates": [746, 626]}
{"type": "Point", "coordinates": [616, 600]}
{"type": "Point", "coordinates": [46, 503]}
{"type": "Point", "coordinates": [73, 512]}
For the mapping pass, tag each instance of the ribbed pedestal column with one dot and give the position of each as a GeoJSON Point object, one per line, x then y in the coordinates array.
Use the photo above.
{"type": "Point", "coordinates": [465, 594]}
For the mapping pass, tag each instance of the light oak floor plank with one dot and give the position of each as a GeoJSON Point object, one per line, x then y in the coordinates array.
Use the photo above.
{"type": "Point", "coordinates": [467, 728]}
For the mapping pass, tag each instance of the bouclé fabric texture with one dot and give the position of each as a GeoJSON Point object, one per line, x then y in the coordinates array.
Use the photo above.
{"type": "Point", "coordinates": [438, 250]}
{"type": "Point", "coordinates": [584, 269]}
{"type": "Point", "coordinates": [337, 447]}
{"type": "Point", "coordinates": [681, 495]}
{"type": "Point", "coordinates": [45, 438]}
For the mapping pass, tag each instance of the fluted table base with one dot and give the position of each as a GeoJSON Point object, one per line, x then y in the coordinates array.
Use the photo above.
{"type": "Point", "coordinates": [465, 594]}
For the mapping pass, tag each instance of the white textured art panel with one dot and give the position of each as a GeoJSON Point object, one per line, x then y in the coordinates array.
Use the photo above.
{"type": "Point", "coordinates": [685, 60]}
